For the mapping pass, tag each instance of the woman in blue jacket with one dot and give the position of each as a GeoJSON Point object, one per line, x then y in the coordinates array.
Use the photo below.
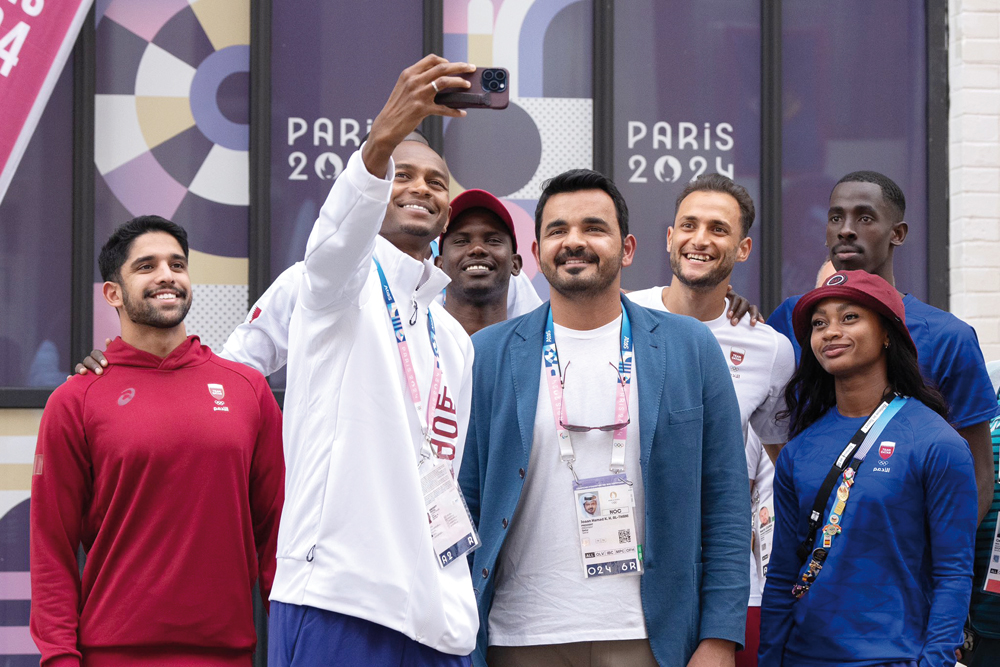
{"type": "Point", "coordinates": [875, 494]}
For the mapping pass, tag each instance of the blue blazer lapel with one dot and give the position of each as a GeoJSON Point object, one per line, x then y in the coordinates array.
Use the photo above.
{"type": "Point", "coordinates": [650, 357]}
{"type": "Point", "coordinates": [526, 370]}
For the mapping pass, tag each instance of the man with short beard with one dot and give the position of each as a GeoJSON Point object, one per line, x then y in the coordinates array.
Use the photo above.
{"type": "Point", "coordinates": [710, 235]}
{"type": "Point", "coordinates": [168, 469]}
{"type": "Point", "coordinates": [593, 395]}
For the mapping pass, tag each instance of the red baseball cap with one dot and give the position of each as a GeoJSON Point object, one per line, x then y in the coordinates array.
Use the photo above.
{"type": "Point", "coordinates": [860, 287]}
{"type": "Point", "coordinates": [480, 199]}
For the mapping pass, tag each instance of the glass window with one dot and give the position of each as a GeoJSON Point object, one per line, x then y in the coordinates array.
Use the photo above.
{"type": "Point", "coordinates": [686, 102]}
{"type": "Point", "coordinates": [333, 66]}
{"type": "Point", "coordinates": [854, 97]}
{"type": "Point", "coordinates": [36, 222]}
{"type": "Point", "coordinates": [548, 127]}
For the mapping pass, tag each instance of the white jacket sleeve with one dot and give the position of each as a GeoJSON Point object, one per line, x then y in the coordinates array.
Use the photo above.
{"type": "Point", "coordinates": [261, 340]}
{"type": "Point", "coordinates": [342, 242]}
{"type": "Point", "coordinates": [521, 296]}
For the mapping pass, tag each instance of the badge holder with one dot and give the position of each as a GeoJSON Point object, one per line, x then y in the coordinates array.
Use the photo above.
{"type": "Point", "coordinates": [763, 533]}
{"type": "Point", "coordinates": [991, 583]}
{"type": "Point", "coordinates": [452, 531]}
{"type": "Point", "coordinates": [605, 506]}
{"type": "Point", "coordinates": [609, 541]}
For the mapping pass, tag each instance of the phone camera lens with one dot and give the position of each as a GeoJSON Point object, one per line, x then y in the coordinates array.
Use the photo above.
{"type": "Point", "coordinates": [487, 75]}
{"type": "Point", "coordinates": [500, 75]}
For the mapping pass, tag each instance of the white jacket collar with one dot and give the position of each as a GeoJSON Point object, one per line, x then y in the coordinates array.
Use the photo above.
{"type": "Point", "coordinates": [409, 279]}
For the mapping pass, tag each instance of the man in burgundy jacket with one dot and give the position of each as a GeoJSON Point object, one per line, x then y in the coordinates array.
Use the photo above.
{"type": "Point", "coordinates": [168, 469]}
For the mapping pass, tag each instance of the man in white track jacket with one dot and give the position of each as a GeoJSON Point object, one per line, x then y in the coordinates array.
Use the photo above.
{"type": "Point", "coordinates": [359, 577]}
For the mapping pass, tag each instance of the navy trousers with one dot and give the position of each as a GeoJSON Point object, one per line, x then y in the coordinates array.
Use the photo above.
{"type": "Point", "coordinates": [300, 636]}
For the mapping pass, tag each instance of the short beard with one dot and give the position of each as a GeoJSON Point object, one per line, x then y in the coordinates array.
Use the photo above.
{"type": "Point", "coordinates": [147, 315]}
{"type": "Point", "coordinates": [707, 282]}
{"type": "Point", "coordinates": [602, 280]}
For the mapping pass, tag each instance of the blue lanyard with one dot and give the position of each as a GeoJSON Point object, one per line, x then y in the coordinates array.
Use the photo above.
{"type": "Point", "coordinates": [404, 354]}
{"type": "Point", "coordinates": [553, 375]}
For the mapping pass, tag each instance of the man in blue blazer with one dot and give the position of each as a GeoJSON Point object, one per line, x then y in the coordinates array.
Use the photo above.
{"type": "Point", "coordinates": [607, 475]}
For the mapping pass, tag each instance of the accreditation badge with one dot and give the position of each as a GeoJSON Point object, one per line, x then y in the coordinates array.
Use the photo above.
{"type": "Point", "coordinates": [992, 581]}
{"type": "Point", "coordinates": [452, 532]}
{"type": "Point", "coordinates": [605, 508]}
{"type": "Point", "coordinates": [763, 533]}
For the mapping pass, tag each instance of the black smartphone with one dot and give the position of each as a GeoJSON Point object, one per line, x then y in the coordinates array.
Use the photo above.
{"type": "Point", "coordinates": [489, 90]}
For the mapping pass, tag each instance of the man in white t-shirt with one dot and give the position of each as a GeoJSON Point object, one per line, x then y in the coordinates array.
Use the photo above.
{"type": "Point", "coordinates": [604, 465]}
{"type": "Point", "coordinates": [710, 235]}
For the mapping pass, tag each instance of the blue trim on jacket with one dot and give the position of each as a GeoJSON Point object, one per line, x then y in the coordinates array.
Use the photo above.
{"type": "Point", "coordinates": [696, 583]}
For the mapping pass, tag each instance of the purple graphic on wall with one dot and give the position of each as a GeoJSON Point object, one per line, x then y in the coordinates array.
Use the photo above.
{"type": "Point", "coordinates": [845, 110]}
{"type": "Point", "coordinates": [333, 66]}
{"type": "Point", "coordinates": [687, 102]}
{"type": "Point", "coordinates": [36, 220]}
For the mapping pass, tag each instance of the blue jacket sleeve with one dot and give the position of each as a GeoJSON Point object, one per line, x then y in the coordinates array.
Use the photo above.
{"type": "Point", "coordinates": [950, 493]}
{"type": "Point", "coordinates": [777, 603]}
{"type": "Point", "coordinates": [725, 521]}
{"type": "Point", "coordinates": [781, 321]}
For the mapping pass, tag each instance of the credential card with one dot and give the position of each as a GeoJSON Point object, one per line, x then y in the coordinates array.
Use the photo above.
{"type": "Point", "coordinates": [452, 532]}
{"type": "Point", "coordinates": [609, 542]}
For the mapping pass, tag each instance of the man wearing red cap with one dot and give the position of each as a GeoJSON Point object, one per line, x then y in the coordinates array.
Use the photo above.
{"type": "Point", "coordinates": [479, 254]}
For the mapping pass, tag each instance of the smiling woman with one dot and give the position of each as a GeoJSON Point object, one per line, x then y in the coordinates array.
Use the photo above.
{"type": "Point", "coordinates": [882, 565]}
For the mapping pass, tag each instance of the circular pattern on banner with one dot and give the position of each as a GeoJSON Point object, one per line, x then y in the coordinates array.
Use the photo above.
{"type": "Point", "coordinates": [182, 139]}
{"type": "Point", "coordinates": [478, 144]}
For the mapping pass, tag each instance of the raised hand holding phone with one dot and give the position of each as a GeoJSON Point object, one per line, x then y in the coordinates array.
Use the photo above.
{"type": "Point", "coordinates": [412, 100]}
{"type": "Point", "coordinates": [488, 89]}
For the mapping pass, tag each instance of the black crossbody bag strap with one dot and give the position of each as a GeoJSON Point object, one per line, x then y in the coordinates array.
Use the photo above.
{"type": "Point", "coordinates": [819, 505]}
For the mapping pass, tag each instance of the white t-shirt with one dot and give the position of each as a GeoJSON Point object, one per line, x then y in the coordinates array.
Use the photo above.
{"type": "Point", "coordinates": [542, 595]}
{"type": "Point", "coordinates": [761, 363]}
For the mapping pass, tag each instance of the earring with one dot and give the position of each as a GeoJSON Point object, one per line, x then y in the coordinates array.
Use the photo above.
{"type": "Point", "coordinates": [885, 346]}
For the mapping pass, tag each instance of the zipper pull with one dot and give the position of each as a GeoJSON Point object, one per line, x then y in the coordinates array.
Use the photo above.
{"type": "Point", "coordinates": [413, 317]}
